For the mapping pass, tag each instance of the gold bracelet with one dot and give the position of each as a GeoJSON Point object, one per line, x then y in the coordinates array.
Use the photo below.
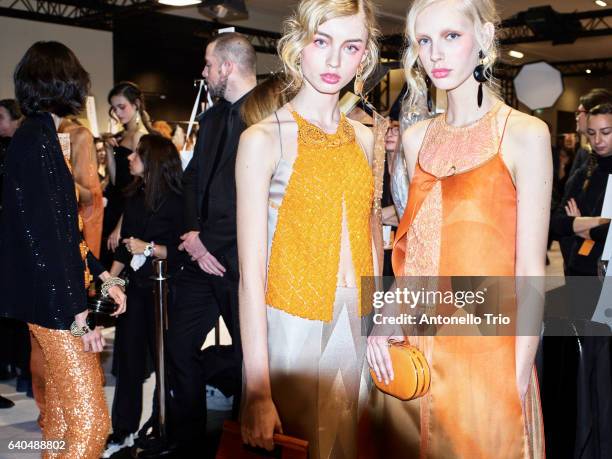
{"type": "Point", "coordinates": [77, 330]}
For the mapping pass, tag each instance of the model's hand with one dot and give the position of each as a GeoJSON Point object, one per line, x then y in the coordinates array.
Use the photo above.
{"type": "Point", "coordinates": [259, 422]}
{"type": "Point", "coordinates": [93, 341]}
{"type": "Point", "coordinates": [193, 245]}
{"type": "Point", "coordinates": [209, 264]}
{"type": "Point", "coordinates": [379, 358]}
{"type": "Point", "coordinates": [119, 297]}
{"type": "Point", "coordinates": [571, 208]}
{"type": "Point", "coordinates": [113, 239]}
{"type": "Point", "coordinates": [134, 246]}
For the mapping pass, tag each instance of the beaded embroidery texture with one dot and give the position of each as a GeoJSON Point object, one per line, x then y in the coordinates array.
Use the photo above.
{"type": "Point", "coordinates": [330, 172]}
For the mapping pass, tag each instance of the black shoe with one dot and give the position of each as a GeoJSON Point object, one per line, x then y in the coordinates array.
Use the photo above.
{"type": "Point", "coordinates": [6, 403]}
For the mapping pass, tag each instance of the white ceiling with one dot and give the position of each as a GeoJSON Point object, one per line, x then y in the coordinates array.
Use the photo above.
{"type": "Point", "coordinates": [268, 15]}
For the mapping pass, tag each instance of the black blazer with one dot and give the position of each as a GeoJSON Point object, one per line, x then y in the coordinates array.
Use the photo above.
{"type": "Point", "coordinates": [164, 227]}
{"type": "Point", "coordinates": [209, 183]}
{"type": "Point", "coordinates": [590, 203]}
{"type": "Point", "coordinates": [41, 270]}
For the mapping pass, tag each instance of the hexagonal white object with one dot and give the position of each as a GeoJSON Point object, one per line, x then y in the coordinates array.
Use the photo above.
{"type": "Point", "coordinates": [538, 85]}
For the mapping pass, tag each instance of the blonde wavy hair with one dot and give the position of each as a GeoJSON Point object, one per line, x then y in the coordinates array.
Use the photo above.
{"type": "Point", "coordinates": [479, 12]}
{"type": "Point", "coordinates": [300, 28]}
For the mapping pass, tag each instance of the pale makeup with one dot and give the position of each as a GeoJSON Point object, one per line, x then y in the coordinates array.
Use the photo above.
{"type": "Point", "coordinates": [123, 109]}
{"type": "Point", "coordinates": [448, 50]}
{"type": "Point", "coordinates": [330, 61]}
{"type": "Point", "coordinates": [599, 132]}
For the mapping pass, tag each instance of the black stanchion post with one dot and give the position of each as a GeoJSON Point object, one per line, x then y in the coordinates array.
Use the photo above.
{"type": "Point", "coordinates": [161, 325]}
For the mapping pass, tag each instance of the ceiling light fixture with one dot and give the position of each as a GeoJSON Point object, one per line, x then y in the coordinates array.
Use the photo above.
{"type": "Point", "coordinates": [516, 54]}
{"type": "Point", "coordinates": [179, 2]}
{"type": "Point", "coordinates": [226, 10]}
{"type": "Point", "coordinates": [601, 3]}
{"type": "Point", "coordinates": [588, 70]}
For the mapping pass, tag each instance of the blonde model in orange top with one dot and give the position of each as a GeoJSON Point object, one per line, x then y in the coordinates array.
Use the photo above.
{"type": "Point", "coordinates": [305, 192]}
{"type": "Point", "coordinates": [478, 206]}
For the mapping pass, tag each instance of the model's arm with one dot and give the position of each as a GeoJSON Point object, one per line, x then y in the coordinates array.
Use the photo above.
{"type": "Point", "coordinates": [532, 165]}
{"type": "Point", "coordinates": [253, 171]}
{"type": "Point", "coordinates": [377, 352]}
{"type": "Point", "coordinates": [84, 166]}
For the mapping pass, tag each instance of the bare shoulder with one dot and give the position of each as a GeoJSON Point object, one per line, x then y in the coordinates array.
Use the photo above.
{"type": "Point", "coordinates": [365, 137]}
{"type": "Point", "coordinates": [413, 136]}
{"type": "Point", "coordinates": [412, 139]}
{"type": "Point", "coordinates": [525, 130]}
{"type": "Point", "coordinates": [81, 133]}
{"type": "Point", "coordinates": [259, 142]}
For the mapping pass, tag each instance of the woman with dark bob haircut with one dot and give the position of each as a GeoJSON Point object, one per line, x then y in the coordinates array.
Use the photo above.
{"type": "Point", "coordinates": [45, 265]}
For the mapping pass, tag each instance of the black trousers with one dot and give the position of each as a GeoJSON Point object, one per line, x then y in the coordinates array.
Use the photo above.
{"type": "Point", "coordinates": [198, 301]}
{"type": "Point", "coordinates": [15, 345]}
{"type": "Point", "coordinates": [133, 357]}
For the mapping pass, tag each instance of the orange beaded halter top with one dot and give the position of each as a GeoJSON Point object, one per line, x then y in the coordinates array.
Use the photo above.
{"type": "Point", "coordinates": [331, 176]}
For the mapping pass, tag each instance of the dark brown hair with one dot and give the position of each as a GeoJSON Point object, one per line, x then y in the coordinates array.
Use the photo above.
{"type": "Point", "coordinates": [132, 92]}
{"type": "Point", "coordinates": [596, 97]}
{"type": "Point", "coordinates": [162, 170]}
{"type": "Point", "coordinates": [50, 78]}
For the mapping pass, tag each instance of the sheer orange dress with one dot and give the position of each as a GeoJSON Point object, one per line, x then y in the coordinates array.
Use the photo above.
{"type": "Point", "coordinates": [461, 221]}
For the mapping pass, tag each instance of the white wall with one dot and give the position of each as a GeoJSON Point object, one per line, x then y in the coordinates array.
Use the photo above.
{"type": "Point", "coordinates": [93, 48]}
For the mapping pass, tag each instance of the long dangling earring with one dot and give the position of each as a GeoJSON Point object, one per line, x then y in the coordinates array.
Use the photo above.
{"type": "Point", "coordinates": [138, 119]}
{"type": "Point", "coordinates": [358, 85]}
{"type": "Point", "coordinates": [480, 75]}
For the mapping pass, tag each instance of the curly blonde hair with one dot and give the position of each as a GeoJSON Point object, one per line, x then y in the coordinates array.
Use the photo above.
{"type": "Point", "coordinates": [299, 29]}
{"type": "Point", "coordinates": [479, 12]}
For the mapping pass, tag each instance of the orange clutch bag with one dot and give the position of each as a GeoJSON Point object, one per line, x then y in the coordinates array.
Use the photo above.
{"type": "Point", "coordinates": [285, 447]}
{"type": "Point", "coordinates": [411, 371]}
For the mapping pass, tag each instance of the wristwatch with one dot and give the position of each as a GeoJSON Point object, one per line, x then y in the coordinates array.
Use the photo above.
{"type": "Point", "coordinates": [149, 249]}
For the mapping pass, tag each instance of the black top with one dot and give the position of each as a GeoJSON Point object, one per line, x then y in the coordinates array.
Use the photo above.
{"type": "Point", "coordinates": [41, 270]}
{"type": "Point", "coordinates": [590, 203]}
{"type": "Point", "coordinates": [163, 226]}
{"type": "Point", "coordinates": [209, 182]}
{"type": "Point", "coordinates": [4, 143]}
{"type": "Point", "coordinates": [114, 192]}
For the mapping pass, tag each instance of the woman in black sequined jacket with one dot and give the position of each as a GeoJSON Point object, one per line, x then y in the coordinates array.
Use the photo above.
{"type": "Point", "coordinates": [44, 264]}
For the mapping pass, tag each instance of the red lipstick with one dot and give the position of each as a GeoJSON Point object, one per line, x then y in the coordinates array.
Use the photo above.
{"type": "Point", "coordinates": [330, 78]}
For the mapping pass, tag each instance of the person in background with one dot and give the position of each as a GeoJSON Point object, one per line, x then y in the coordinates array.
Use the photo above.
{"type": "Point", "coordinates": [14, 345]}
{"type": "Point", "coordinates": [207, 286]}
{"type": "Point", "coordinates": [127, 107]}
{"type": "Point", "coordinates": [266, 98]}
{"type": "Point", "coordinates": [389, 213]}
{"type": "Point", "coordinates": [45, 265]}
{"type": "Point", "coordinates": [84, 162]}
{"type": "Point", "coordinates": [579, 213]}
{"type": "Point", "coordinates": [163, 128]}
{"type": "Point", "coordinates": [593, 98]}
{"type": "Point", "coordinates": [152, 225]}
{"type": "Point", "coordinates": [579, 365]}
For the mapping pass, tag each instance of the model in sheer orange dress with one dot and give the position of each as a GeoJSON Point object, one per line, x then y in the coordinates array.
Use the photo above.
{"type": "Point", "coordinates": [478, 206]}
